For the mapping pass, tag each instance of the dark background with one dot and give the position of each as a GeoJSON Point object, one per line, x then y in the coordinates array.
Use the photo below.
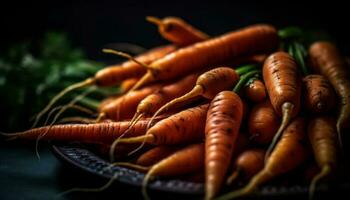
{"type": "Point", "coordinates": [92, 24]}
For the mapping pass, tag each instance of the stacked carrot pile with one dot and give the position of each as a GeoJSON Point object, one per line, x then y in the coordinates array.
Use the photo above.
{"type": "Point", "coordinates": [232, 108]}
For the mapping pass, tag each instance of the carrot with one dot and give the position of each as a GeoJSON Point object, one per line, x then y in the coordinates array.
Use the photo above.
{"type": "Point", "coordinates": [101, 132]}
{"type": "Point", "coordinates": [290, 152]}
{"type": "Point", "coordinates": [112, 75]}
{"type": "Point", "coordinates": [183, 127]}
{"type": "Point", "coordinates": [223, 122]}
{"type": "Point", "coordinates": [128, 84]}
{"type": "Point", "coordinates": [177, 31]}
{"type": "Point", "coordinates": [247, 164]}
{"type": "Point", "coordinates": [207, 85]}
{"type": "Point", "coordinates": [323, 138]}
{"type": "Point", "coordinates": [155, 155]}
{"type": "Point", "coordinates": [244, 42]}
{"type": "Point", "coordinates": [318, 93]}
{"type": "Point", "coordinates": [153, 102]}
{"type": "Point", "coordinates": [255, 90]}
{"type": "Point", "coordinates": [263, 122]}
{"type": "Point", "coordinates": [125, 106]}
{"type": "Point", "coordinates": [327, 60]}
{"type": "Point", "coordinates": [283, 84]}
{"type": "Point", "coordinates": [184, 161]}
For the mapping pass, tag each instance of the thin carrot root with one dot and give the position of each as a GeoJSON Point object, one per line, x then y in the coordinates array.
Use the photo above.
{"type": "Point", "coordinates": [325, 171]}
{"type": "Point", "coordinates": [100, 117]}
{"type": "Point", "coordinates": [147, 138]}
{"type": "Point", "coordinates": [87, 82]}
{"type": "Point", "coordinates": [148, 77]}
{"type": "Point", "coordinates": [76, 107]}
{"type": "Point", "coordinates": [196, 91]}
{"type": "Point", "coordinates": [287, 109]}
{"type": "Point", "coordinates": [233, 176]}
{"type": "Point", "coordinates": [249, 188]}
{"type": "Point", "coordinates": [125, 55]}
{"type": "Point", "coordinates": [145, 182]}
{"type": "Point", "coordinates": [131, 166]}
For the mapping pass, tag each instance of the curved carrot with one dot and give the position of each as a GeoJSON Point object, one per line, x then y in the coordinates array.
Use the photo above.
{"type": "Point", "coordinates": [247, 164]}
{"type": "Point", "coordinates": [323, 138]}
{"type": "Point", "coordinates": [177, 31]}
{"type": "Point", "coordinates": [283, 84]}
{"type": "Point", "coordinates": [263, 122]}
{"type": "Point", "coordinates": [255, 90]}
{"type": "Point", "coordinates": [112, 75]}
{"type": "Point", "coordinates": [223, 122]}
{"type": "Point", "coordinates": [207, 85]}
{"type": "Point", "coordinates": [184, 161]}
{"type": "Point", "coordinates": [327, 60]}
{"type": "Point", "coordinates": [244, 42]}
{"type": "Point", "coordinates": [290, 152]}
{"type": "Point", "coordinates": [318, 93]}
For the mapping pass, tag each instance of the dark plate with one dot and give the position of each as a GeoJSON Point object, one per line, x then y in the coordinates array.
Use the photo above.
{"type": "Point", "coordinates": [86, 160]}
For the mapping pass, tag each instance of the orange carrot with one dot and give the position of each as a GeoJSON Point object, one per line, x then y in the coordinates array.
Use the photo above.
{"type": "Point", "coordinates": [208, 85]}
{"type": "Point", "coordinates": [101, 132]}
{"type": "Point", "coordinates": [323, 138]}
{"type": "Point", "coordinates": [244, 42]}
{"type": "Point", "coordinates": [128, 84]}
{"type": "Point", "coordinates": [184, 161]}
{"type": "Point", "coordinates": [184, 127]}
{"type": "Point", "coordinates": [177, 31]}
{"type": "Point", "coordinates": [156, 154]}
{"type": "Point", "coordinates": [112, 75]}
{"type": "Point", "coordinates": [125, 106]}
{"type": "Point", "coordinates": [153, 102]}
{"type": "Point", "coordinates": [263, 122]}
{"type": "Point", "coordinates": [283, 84]}
{"type": "Point", "coordinates": [318, 93]}
{"type": "Point", "coordinates": [223, 122]}
{"type": "Point", "coordinates": [247, 164]}
{"type": "Point", "coordinates": [290, 152]}
{"type": "Point", "coordinates": [327, 60]}
{"type": "Point", "coordinates": [255, 90]}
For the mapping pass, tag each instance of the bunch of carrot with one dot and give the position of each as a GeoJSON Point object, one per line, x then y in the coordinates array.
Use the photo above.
{"type": "Point", "coordinates": [220, 110]}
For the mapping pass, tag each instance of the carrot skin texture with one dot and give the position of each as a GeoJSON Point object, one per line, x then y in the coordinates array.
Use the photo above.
{"type": "Point", "coordinates": [291, 151]}
{"type": "Point", "coordinates": [282, 81]}
{"type": "Point", "coordinates": [184, 127]}
{"type": "Point", "coordinates": [100, 132]}
{"type": "Point", "coordinates": [323, 139]}
{"type": "Point", "coordinates": [263, 122]}
{"type": "Point", "coordinates": [244, 42]}
{"type": "Point", "coordinates": [177, 31]}
{"type": "Point", "coordinates": [223, 122]}
{"type": "Point", "coordinates": [255, 91]}
{"type": "Point", "coordinates": [318, 93]}
{"type": "Point", "coordinates": [249, 163]}
{"type": "Point", "coordinates": [156, 154]}
{"type": "Point", "coordinates": [327, 60]}
{"type": "Point", "coordinates": [115, 74]}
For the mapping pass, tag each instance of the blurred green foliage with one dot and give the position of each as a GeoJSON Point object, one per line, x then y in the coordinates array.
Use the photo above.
{"type": "Point", "coordinates": [28, 81]}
